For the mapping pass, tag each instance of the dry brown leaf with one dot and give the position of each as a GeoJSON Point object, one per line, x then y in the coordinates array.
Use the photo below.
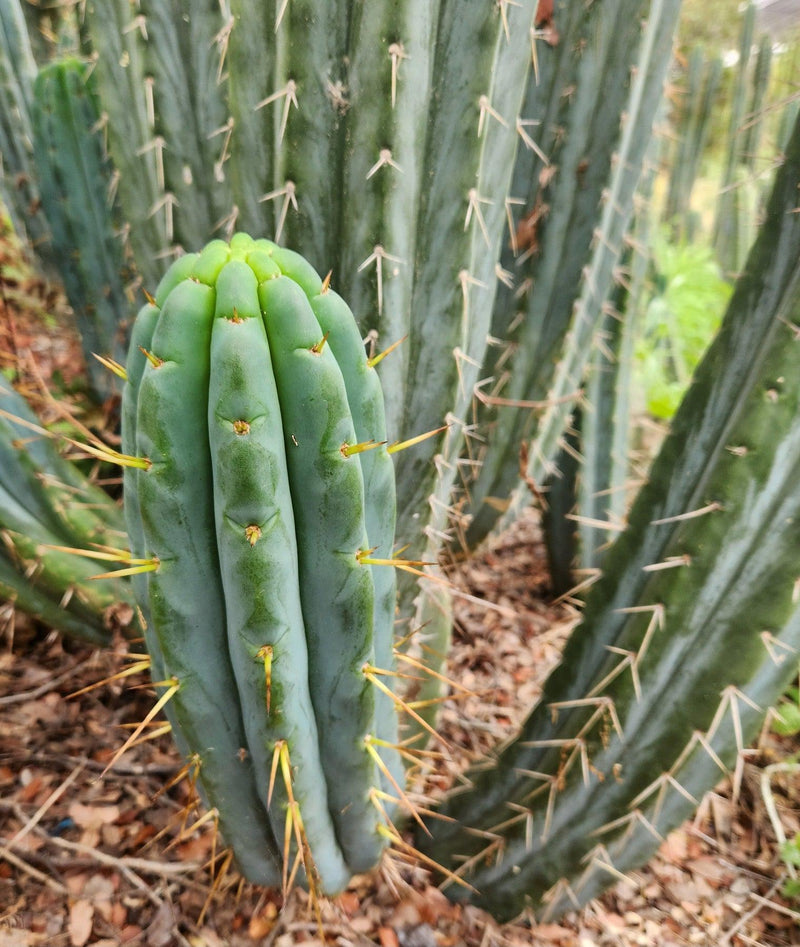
{"type": "Point", "coordinates": [349, 902]}
{"type": "Point", "coordinates": [160, 931]}
{"type": "Point", "coordinates": [674, 848]}
{"type": "Point", "coordinates": [10, 937]}
{"type": "Point", "coordinates": [262, 922]}
{"type": "Point", "coordinates": [387, 937]}
{"type": "Point", "coordinates": [554, 933]}
{"type": "Point", "coordinates": [81, 916]}
{"type": "Point", "coordinates": [93, 817]}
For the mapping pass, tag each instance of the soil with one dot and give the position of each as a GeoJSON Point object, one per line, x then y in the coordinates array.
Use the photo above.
{"type": "Point", "coordinates": [101, 851]}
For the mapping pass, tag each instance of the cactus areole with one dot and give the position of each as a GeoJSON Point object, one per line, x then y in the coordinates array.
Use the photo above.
{"type": "Point", "coordinates": [268, 496]}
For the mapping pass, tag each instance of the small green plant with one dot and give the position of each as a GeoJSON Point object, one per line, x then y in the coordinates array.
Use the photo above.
{"type": "Point", "coordinates": [790, 854]}
{"type": "Point", "coordinates": [683, 313]}
{"type": "Point", "coordinates": [787, 713]}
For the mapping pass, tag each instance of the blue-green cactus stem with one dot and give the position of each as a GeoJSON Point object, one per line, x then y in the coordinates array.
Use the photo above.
{"type": "Point", "coordinates": [365, 398]}
{"type": "Point", "coordinates": [75, 183]}
{"type": "Point", "coordinates": [185, 598]}
{"type": "Point", "coordinates": [250, 392]}
{"type": "Point", "coordinates": [181, 47]}
{"type": "Point", "coordinates": [259, 560]}
{"type": "Point", "coordinates": [696, 612]}
{"type": "Point", "coordinates": [335, 586]}
{"type": "Point", "coordinates": [18, 185]}
{"type": "Point", "coordinates": [122, 84]}
{"type": "Point", "coordinates": [44, 502]}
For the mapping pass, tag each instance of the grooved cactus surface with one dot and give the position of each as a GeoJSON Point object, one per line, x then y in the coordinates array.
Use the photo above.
{"type": "Point", "coordinates": [250, 393]}
{"type": "Point", "coordinates": [47, 502]}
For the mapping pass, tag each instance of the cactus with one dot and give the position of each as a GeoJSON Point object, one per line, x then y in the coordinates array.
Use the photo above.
{"type": "Point", "coordinates": [546, 328]}
{"type": "Point", "coordinates": [694, 125]}
{"type": "Point", "coordinates": [266, 505]}
{"type": "Point", "coordinates": [177, 43]}
{"type": "Point", "coordinates": [335, 130]}
{"type": "Point", "coordinates": [75, 187]}
{"type": "Point", "coordinates": [754, 129]}
{"type": "Point", "coordinates": [604, 490]}
{"type": "Point", "coordinates": [45, 503]}
{"type": "Point", "coordinates": [727, 239]}
{"type": "Point", "coordinates": [393, 143]}
{"type": "Point", "coordinates": [17, 176]}
{"type": "Point", "coordinates": [687, 638]}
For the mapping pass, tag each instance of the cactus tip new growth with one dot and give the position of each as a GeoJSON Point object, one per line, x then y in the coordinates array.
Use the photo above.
{"type": "Point", "coordinates": [250, 393]}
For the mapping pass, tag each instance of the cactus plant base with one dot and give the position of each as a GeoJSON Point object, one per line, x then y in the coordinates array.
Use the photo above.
{"type": "Point", "coordinates": [122, 811]}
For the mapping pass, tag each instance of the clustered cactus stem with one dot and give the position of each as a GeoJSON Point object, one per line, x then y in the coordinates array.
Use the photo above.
{"type": "Point", "coordinates": [272, 605]}
{"type": "Point", "coordinates": [687, 637]}
{"type": "Point", "coordinates": [468, 178]}
{"type": "Point", "coordinates": [47, 508]}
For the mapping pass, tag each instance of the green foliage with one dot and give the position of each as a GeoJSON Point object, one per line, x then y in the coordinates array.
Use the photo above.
{"type": "Point", "coordinates": [681, 317]}
{"type": "Point", "coordinates": [787, 713]}
{"type": "Point", "coordinates": [714, 24]}
{"type": "Point", "coordinates": [790, 854]}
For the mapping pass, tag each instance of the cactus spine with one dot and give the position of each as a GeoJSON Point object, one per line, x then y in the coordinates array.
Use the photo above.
{"type": "Point", "coordinates": [266, 504]}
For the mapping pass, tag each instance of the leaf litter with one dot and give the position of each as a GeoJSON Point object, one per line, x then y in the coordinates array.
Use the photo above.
{"type": "Point", "coordinates": [91, 860]}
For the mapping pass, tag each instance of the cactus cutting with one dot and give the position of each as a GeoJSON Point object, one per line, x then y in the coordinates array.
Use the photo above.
{"type": "Point", "coordinates": [250, 394]}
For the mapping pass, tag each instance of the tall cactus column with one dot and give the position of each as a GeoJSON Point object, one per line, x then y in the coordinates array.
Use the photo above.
{"type": "Point", "coordinates": [686, 639]}
{"type": "Point", "coordinates": [268, 486]}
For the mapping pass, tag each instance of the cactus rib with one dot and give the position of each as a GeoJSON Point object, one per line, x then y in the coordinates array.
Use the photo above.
{"type": "Point", "coordinates": [261, 610]}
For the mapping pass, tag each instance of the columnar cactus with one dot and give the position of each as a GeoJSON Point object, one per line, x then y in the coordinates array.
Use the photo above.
{"type": "Point", "coordinates": [266, 508]}
{"type": "Point", "coordinates": [686, 639]}
{"type": "Point", "coordinates": [334, 128]}
{"type": "Point", "coordinates": [18, 186]}
{"type": "Point", "coordinates": [75, 183]}
{"type": "Point", "coordinates": [45, 502]}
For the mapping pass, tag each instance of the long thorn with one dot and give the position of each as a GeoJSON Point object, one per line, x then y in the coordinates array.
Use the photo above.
{"type": "Point", "coordinates": [142, 665]}
{"type": "Point", "coordinates": [371, 674]}
{"type": "Point", "coordinates": [266, 654]}
{"type": "Point", "coordinates": [164, 699]}
{"type": "Point", "coordinates": [349, 449]}
{"type": "Point", "coordinates": [397, 841]}
{"type": "Point", "coordinates": [112, 365]}
{"type": "Point", "coordinates": [152, 566]}
{"type": "Point", "coordinates": [387, 773]}
{"type": "Point", "coordinates": [227, 861]}
{"type": "Point", "coordinates": [377, 359]}
{"type": "Point", "coordinates": [402, 445]}
{"type": "Point", "coordinates": [401, 656]}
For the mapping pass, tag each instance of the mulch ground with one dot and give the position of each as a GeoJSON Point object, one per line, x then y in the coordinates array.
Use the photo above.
{"type": "Point", "coordinates": [103, 856]}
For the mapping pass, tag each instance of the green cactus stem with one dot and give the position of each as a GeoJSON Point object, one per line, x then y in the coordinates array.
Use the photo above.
{"type": "Point", "coordinates": [75, 182]}
{"type": "Point", "coordinates": [46, 502]}
{"type": "Point", "coordinates": [267, 505]}
{"type": "Point", "coordinates": [120, 74]}
{"type": "Point", "coordinates": [696, 617]}
{"type": "Point", "coordinates": [18, 186]}
{"type": "Point", "coordinates": [591, 150]}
